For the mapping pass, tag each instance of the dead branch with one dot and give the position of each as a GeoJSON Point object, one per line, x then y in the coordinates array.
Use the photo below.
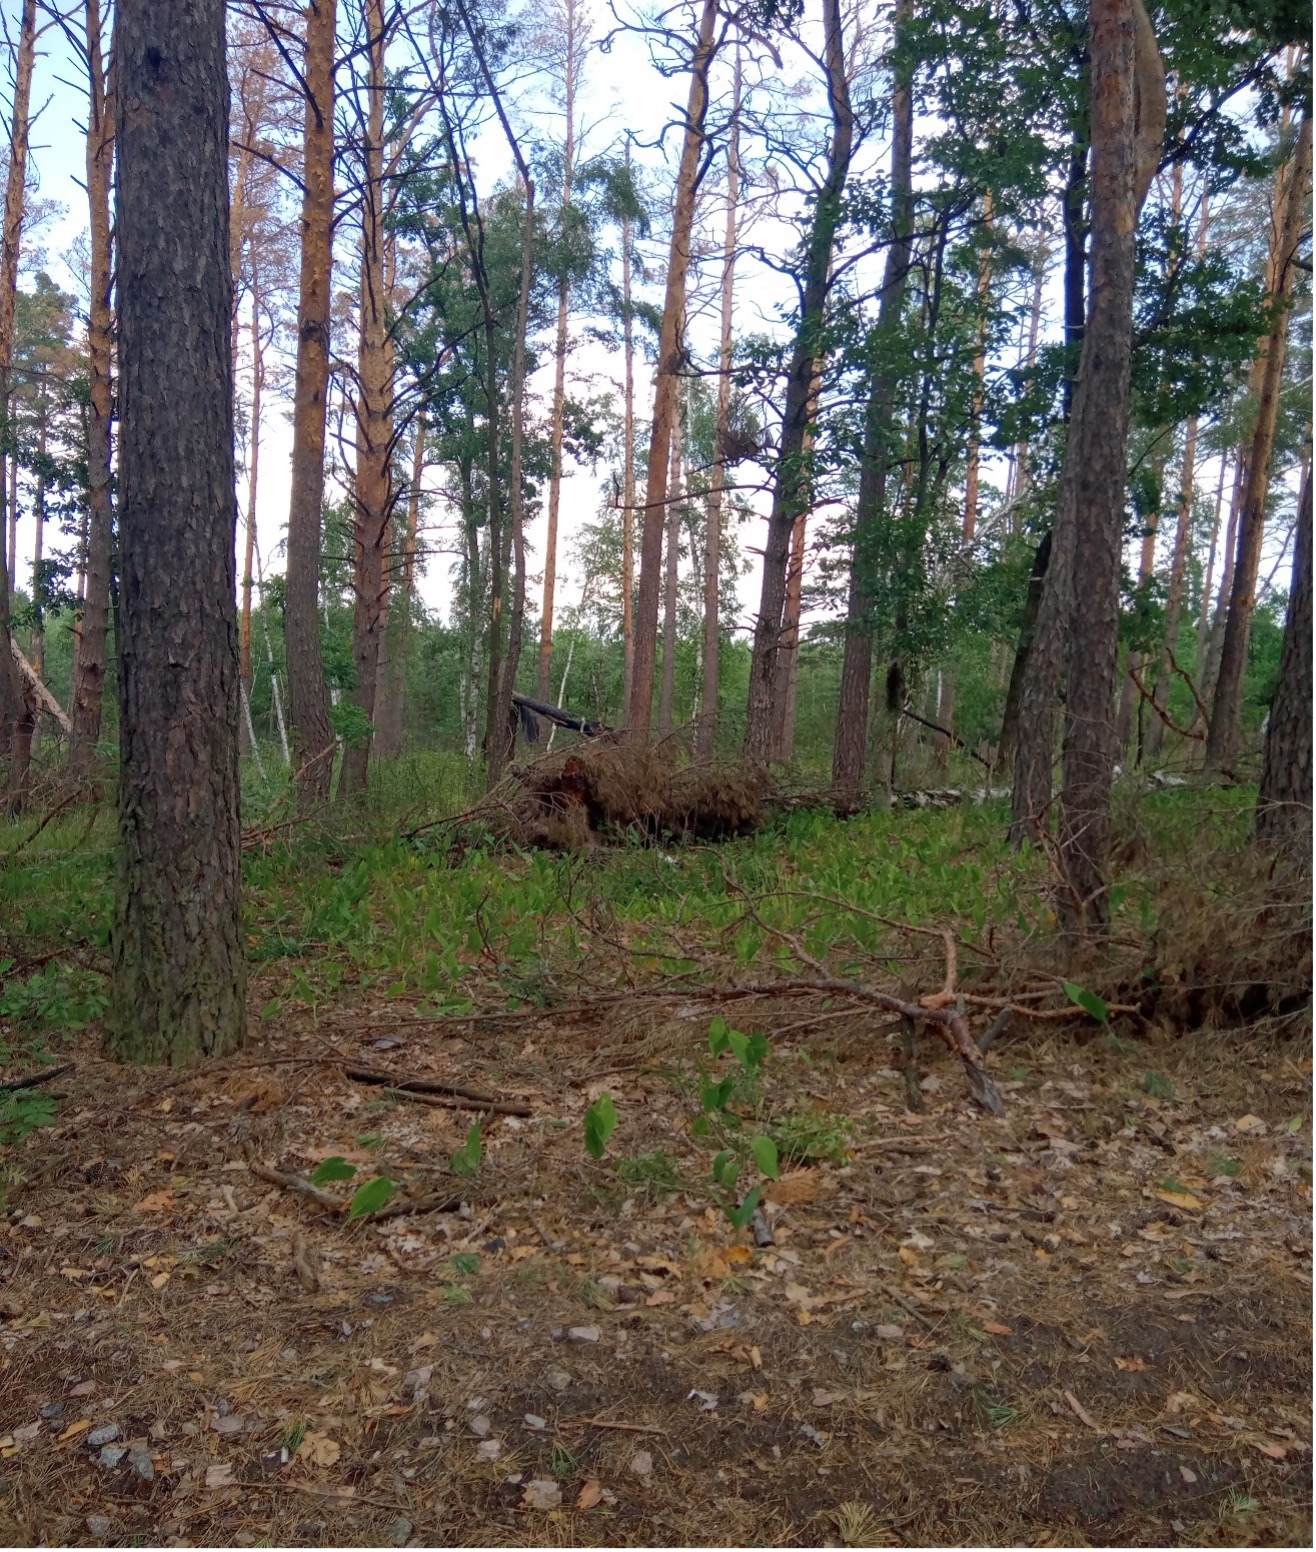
{"type": "Point", "coordinates": [1188, 680]}
{"type": "Point", "coordinates": [292, 1182]}
{"type": "Point", "coordinates": [475, 1098]}
{"type": "Point", "coordinates": [36, 1079]}
{"type": "Point", "coordinates": [45, 699]}
{"type": "Point", "coordinates": [1160, 710]}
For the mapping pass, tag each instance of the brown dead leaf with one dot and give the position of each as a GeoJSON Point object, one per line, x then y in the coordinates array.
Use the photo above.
{"type": "Point", "coordinates": [317, 1449]}
{"type": "Point", "coordinates": [1132, 1365]}
{"type": "Point", "coordinates": [908, 1255]}
{"type": "Point", "coordinates": [995, 1328]}
{"type": "Point", "coordinates": [792, 1190]}
{"type": "Point", "coordinates": [1184, 1199]}
{"type": "Point", "coordinates": [1249, 1123]}
{"type": "Point", "coordinates": [156, 1202]}
{"type": "Point", "coordinates": [739, 1255]}
{"type": "Point", "coordinates": [590, 1494]}
{"type": "Point", "coordinates": [1080, 1411]}
{"type": "Point", "coordinates": [75, 1430]}
{"type": "Point", "coordinates": [1269, 1450]}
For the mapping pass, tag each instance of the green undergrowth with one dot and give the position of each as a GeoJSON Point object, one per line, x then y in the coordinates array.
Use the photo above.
{"type": "Point", "coordinates": [353, 902]}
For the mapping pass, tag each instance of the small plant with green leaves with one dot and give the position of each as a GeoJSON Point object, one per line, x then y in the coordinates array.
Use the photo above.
{"type": "Point", "coordinates": [466, 1161]}
{"type": "Point", "coordinates": [718, 1123]}
{"type": "Point", "coordinates": [813, 1135]}
{"type": "Point", "coordinates": [23, 1111]}
{"type": "Point", "coordinates": [366, 1199]}
{"type": "Point", "coordinates": [600, 1123]}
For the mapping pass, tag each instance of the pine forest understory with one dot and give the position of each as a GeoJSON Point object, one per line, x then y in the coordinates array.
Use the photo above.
{"type": "Point", "coordinates": [655, 773]}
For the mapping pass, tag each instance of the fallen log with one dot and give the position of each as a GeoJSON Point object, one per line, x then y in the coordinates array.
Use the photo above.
{"type": "Point", "coordinates": [45, 699]}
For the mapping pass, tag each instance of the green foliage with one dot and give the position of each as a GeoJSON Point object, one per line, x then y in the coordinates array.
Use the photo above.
{"type": "Point", "coordinates": [812, 1135]}
{"type": "Point", "coordinates": [465, 1263]}
{"type": "Point", "coordinates": [331, 1169]}
{"type": "Point", "coordinates": [23, 1111]}
{"type": "Point", "coordinates": [656, 1175]}
{"type": "Point", "coordinates": [1090, 1003]}
{"type": "Point", "coordinates": [369, 1197]}
{"type": "Point", "coordinates": [600, 1123]}
{"type": "Point", "coordinates": [1157, 1086]}
{"type": "Point", "coordinates": [466, 1160]}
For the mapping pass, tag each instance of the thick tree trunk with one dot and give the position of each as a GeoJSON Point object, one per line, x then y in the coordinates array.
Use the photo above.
{"type": "Point", "coordinates": [1285, 794]}
{"type": "Point", "coordinates": [89, 679]}
{"type": "Point", "coordinates": [705, 736]}
{"type": "Point", "coordinates": [313, 738]}
{"type": "Point", "coordinates": [851, 739]}
{"type": "Point", "coordinates": [670, 347]}
{"type": "Point", "coordinates": [671, 577]}
{"type": "Point", "coordinates": [372, 493]}
{"type": "Point", "coordinates": [179, 978]}
{"type": "Point", "coordinates": [15, 704]}
{"type": "Point", "coordinates": [790, 493]}
{"type": "Point", "coordinates": [1128, 124]}
{"type": "Point", "coordinates": [1222, 735]}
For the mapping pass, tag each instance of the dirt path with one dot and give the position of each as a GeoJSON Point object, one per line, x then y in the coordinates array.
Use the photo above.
{"type": "Point", "coordinates": [1089, 1320]}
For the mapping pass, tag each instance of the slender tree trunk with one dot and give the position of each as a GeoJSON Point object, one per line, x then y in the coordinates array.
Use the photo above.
{"type": "Point", "coordinates": [792, 483]}
{"type": "Point", "coordinates": [788, 654]}
{"type": "Point", "coordinates": [1223, 732]}
{"type": "Point", "coordinates": [670, 346]}
{"type": "Point", "coordinates": [945, 713]}
{"type": "Point", "coordinates": [1284, 797]}
{"type": "Point", "coordinates": [253, 475]}
{"type": "Point", "coordinates": [15, 706]}
{"type": "Point", "coordinates": [1154, 736]}
{"type": "Point", "coordinates": [671, 582]}
{"type": "Point", "coordinates": [1216, 637]}
{"type": "Point", "coordinates": [1129, 699]}
{"type": "Point", "coordinates": [177, 992]}
{"type": "Point", "coordinates": [545, 674]}
{"type": "Point", "coordinates": [89, 679]}
{"type": "Point", "coordinates": [1019, 479]}
{"type": "Point", "coordinates": [1204, 606]}
{"type": "Point", "coordinates": [628, 469]}
{"type": "Point", "coordinates": [851, 741]}
{"type": "Point", "coordinates": [705, 735]}
{"type": "Point", "coordinates": [38, 652]}
{"type": "Point", "coordinates": [374, 418]}
{"type": "Point", "coordinates": [389, 739]}
{"type": "Point", "coordinates": [1128, 126]}
{"type": "Point", "coordinates": [307, 696]}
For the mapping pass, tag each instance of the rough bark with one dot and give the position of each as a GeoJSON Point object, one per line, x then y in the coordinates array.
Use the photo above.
{"type": "Point", "coordinates": [1155, 733]}
{"type": "Point", "coordinates": [670, 347]}
{"type": "Point", "coordinates": [628, 467]}
{"type": "Point", "coordinates": [15, 707]}
{"type": "Point", "coordinates": [1204, 609]}
{"type": "Point", "coordinates": [791, 486]}
{"type": "Point", "coordinates": [1285, 794]}
{"type": "Point", "coordinates": [705, 735]}
{"type": "Point", "coordinates": [1129, 699]}
{"type": "Point", "coordinates": [177, 992]}
{"type": "Point", "coordinates": [851, 740]}
{"type": "Point", "coordinates": [671, 576]}
{"type": "Point", "coordinates": [1127, 130]}
{"type": "Point", "coordinates": [372, 493]}
{"type": "Point", "coordinates": [388, 741]}
{"type": "Point", "coordinates": [1226, 705]}
{"type": "Point", "coordinates": [89, 676]}
{"type": "Point", "coordinates": [308, 699]}
{"type": "Point", "coordinates": [788, 653]}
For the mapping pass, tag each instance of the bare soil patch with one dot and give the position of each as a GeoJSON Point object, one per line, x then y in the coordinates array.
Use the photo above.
{"type": "Point", "coordinates": [1088, 1320]}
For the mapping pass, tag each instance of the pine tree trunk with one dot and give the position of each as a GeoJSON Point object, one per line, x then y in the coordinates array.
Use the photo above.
{"type": "Point", "coordinates": [790, 493]}
{"type": "Point", "coordinates": [177, 992]}
{"type": "Point", "coordinates": [308, 699]}
{"type": "Point", "coordinates": [628, 469]}
{"type": "Point", "coordinates": [1204, 608]}
{"type": "Point", "coordinates": [1127, 129]}
{"type": "Point", "coordinates": [544, 678]}
{"type": "Point", "coordinates": [38, 652]}
{"type": "Point", "coordinates": [388, 741]}
{"type": "Point", "coordinates": [253, 475]}
{"type": "Point", "coordinates": [788, 654]}
{"type": "Point", "coordinates": [1226, 706]}
{"type": "Point", "coordinates": [1155, 734]}
{"type": "Point", "coordinates": [15, 705]}
{"type": "Point", "coordinates": [1129, 699]}
{"type": "Point", "coordinates": [639, 709]}
{"type": "Point", "coordinates": [851, 741]}
{"type": "Point", "coordinates": [671, 580]}
{"type": "Point", "coordinates": [89, 679]}
{"type": "Point", "coordinates": [1285, 795]}
{"type": "Point", "coordinates": [705, 734]}
{"type": "Point", "coordinates": [372, 495]}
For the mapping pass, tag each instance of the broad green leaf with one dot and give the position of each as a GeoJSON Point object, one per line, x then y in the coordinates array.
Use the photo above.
{"type": "Point", "coordinates": [370, 1197]}
{"type": "Point", "coordinates": [758, 1048]}
{"type": "Point", "coordinates": [741, 1215]}
{"type": "Point", "coordinates": [765, 1155]}
{"type": "Point", "coordinates": [600, 1123]}
{"type": "Point", "coordinates": [1090, 1003]}
{"type": "Point", "coordinates": [467, 1158]}
{"type": "Point", "coordinates": [336, 1168]}
{"type": "Point", "coordinates": [720, 1164]}
{"type": "Point", "coordinates": [717, 1035]}
{"type": "Point", "coordinates": [739, 1046]}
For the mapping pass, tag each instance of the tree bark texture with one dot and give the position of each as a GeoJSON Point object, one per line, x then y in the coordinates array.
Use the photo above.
{"type": "Point", "coordinates": [671, 576]}
{"type": "Point", "coordinates": [372, 487]}
{"type": "Point", "coordinates": [1226, 705]}
{"type": "Point", "coordinates": [177, 992]}
{"type": "Point", "coordinates": [1127, 130]}
{"type": "Point", "coordinates": [790, 493]}
{"type": "Point", "coordinates": [308, 699]}
{"type": "Point", "coordinates": [851, 739]}
{"type": "Point", "coordinates": [628, 468]}
{"type": "Point", "coordinates": [639, 710]}
{"type": "Point", "coordinates": [1155, 734]}
{"type": "Point", "coordinates": [1285, 794]}
{"type": "Point", "coordinates": [253, 479]}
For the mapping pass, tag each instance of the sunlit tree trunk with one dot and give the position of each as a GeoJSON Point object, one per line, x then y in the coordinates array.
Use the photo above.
{"type": "Point", "coordinates": [1289, 217]}
{"type": "Point", "coordinates": [705, 735]}
{"type": "Point", "coordinates": [16, 715]}
{"type": "Point", "coordinates": [1204, 606]}
{"type": "Point", "coordinates": [640, 704]}
{"type": "Point", "coordinates": [671, 580]}
{"type": "Point", "coordinates": [1129, 699]}
{"type": "Point", "coordinates": [38, 652]}
{"type": "Point", "coordinates": [788, 654]}
{"type": "Point", "coordinates": [1284, 797]}
{"type": "Point", "coordinates": [628, 467]}
{"type": "Point", "coordinates": [851, 740]}
{"type": "Point", "coordinates": [1155, 733]}
{"type": "Point", "coordinates": [307, 696]}
{"type": "Point", "coordinates": [372, 494]}
{"type": "Point", "coordinates": [389, 739]}
{"type": "Point", "coordinates": [179, 970]}
{"type": "Point", "coordinates": [792, 482]}
{"type": "Point", "coordinates": [249, 542]}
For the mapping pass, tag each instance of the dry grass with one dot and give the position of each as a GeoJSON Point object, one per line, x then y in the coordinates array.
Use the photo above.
{"type": "Point", "coordinates": [151, 1283]}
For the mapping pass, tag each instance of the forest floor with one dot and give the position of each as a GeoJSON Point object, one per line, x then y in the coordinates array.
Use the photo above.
{"type": "Point", "coordinates": [1084, 1321]}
